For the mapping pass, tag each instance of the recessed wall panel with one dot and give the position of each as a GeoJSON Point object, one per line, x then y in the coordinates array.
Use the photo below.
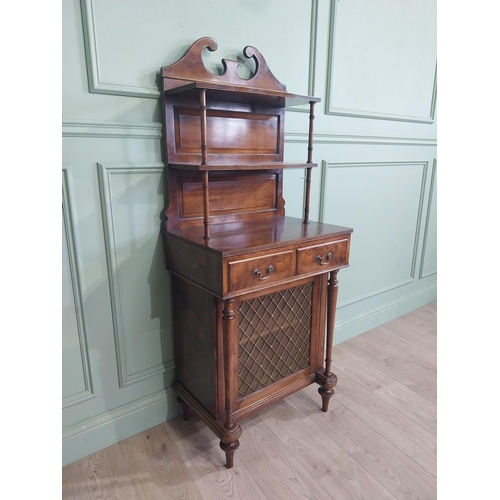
{"type": "Point", "coordinates": [383, 59]}
{"type": "Point", "coordinates": [73, 370]}
{"type": "Point", "coordinates": [382, 202]}
{"type": "Point", "coordinates": [125, 56]}
{"type": "Point", "coordinates": [133, 199]}
{"type": "Point", "coordinates": [429, 257]}
{"type": "Point", "coordinates": [76, 378]}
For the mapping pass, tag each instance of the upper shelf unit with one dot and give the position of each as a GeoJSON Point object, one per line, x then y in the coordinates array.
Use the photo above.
{"type": "Point", "coordinates": [220, 123]}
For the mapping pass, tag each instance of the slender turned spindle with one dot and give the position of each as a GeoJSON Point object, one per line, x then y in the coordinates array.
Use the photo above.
{"type": "Point", "coordinates": [309, 160]}
{"type": "Point", "coordinates": [206, 222]}
{"type": "Point", "coordinates": [308, 195]}
{"type": "Point", "coordinates": [203, 127]}
{"type": "Point", "coordinates": [203, 122]}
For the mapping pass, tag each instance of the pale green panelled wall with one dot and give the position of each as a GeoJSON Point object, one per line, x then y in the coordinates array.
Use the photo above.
{"type": "Point", "coordinates": [372, 62]}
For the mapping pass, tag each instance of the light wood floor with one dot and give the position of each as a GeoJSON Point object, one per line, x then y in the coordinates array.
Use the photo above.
{"type": "Point", "coordinates": [378, 440]}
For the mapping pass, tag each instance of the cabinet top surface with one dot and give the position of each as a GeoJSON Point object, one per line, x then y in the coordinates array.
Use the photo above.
{"type": "Point", "coordinates": [238, 237]}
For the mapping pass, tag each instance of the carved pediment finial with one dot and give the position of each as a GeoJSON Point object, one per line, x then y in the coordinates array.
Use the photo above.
{"type": "Point", "coordinates": [191, 65]}
{"type": "Point", "coordinates": [263, 77]}
{"type": "Point", "coordinates": [191, 68]}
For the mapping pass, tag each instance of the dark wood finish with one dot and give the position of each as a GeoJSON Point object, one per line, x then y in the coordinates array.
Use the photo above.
{"type": "Point", "coordinates": [230, 360]}
{"type": "Point", "coordinates": [217, 426]}
{"type": "Point", "coordinates": [191, 68]}
{"type": "Point", "coordinates": [330, 321]}
{"type": "Point", "coordinates": [192, 64]}
{"type": "Point", "coordinates": [229, 441]}
{"type": "Point", "coordinates": [252, 300]}
{"type": "Point", "coordinates": [333, 254]}
{"type": "Point", "coordinates": [318, 322]}
{"type": "Point", "coordinates": [203, 129]}
{"type": "Point", "coordinates": [229, 449]}
{"type": "Point", "coordinates": [247, 246]}
{"type": "Point", "coordinates": [206, 211]}
{"type": "Point", "coordinates": [237, 94]}
{"type": "Point", "coordinates": [259, 196]}
{"type": "Point", "coordinates": [326, 378]}
{"type": "Point", "coordinates": [251, 133]}
{"type": "Point", "coordinates": [203, 125]}
{"type": "Point", "coordinates": [254, 235]}
{"type": "Point", "coordinates": [242, 166]}
{"type": "Point", "coordinates": [195, 342]}
{"type": "Point", "coordinates": [207, 131]}
{"type": "Point", "coordinates": [235, 133]}
{"type": "Point", "coordinates": [250, 272]}
{"type": "Point", "coordinates": [186, 411]}
{"type": "Point", "coordinates": [194, 264]}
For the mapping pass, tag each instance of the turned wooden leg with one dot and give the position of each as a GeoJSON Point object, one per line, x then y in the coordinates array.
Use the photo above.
{"type": "Point", "coordinates": [326, 394]}
{"type": "Point", "coordinates": [186, 411]}
{"type": "Point", "coordinates": [229, 449]}
{"type": "Point", "coordinates": [325, 378]}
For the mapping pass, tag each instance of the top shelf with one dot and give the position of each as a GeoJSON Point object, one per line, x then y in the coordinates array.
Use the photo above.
{"type": "Point", "coordinates": [239, 93]}
{"type": "Point", "coordinates": [240, 166]}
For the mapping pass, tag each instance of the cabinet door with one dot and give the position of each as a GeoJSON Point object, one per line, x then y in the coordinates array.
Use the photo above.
{"type": "Point", "coordinates": [279, 337]}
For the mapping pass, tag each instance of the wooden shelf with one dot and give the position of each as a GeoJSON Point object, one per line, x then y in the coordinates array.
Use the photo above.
{"type": "Point", "coordinates": [275, 165]}
{"type": "Point", "coordinates": [237, 93]}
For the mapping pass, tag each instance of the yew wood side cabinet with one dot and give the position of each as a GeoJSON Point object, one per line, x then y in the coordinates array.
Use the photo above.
{"type": "Point", "coordinates": [254, 292]}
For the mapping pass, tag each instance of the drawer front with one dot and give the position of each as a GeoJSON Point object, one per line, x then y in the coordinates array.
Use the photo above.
{"type": "Point", "coordinates": [260, 271]}
{"type": "Point", "coordinates": [319, 258]}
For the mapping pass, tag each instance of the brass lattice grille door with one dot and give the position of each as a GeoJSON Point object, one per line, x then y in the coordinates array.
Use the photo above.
{"type": "Point", "coordinates": [274, 337]}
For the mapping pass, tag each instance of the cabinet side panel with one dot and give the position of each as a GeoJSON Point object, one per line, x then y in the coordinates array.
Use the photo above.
{"type": "Point", "coordinates": [195, 345]}
{"type": "Point", "coordinates": [196, 264]}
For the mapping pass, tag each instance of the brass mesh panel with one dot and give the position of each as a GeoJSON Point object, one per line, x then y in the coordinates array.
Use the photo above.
{"type": "Point", "coordinates": [273, 337]}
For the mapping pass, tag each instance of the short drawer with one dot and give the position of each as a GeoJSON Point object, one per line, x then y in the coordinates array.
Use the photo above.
{"type": "Point", "coordinates": [255, 271]}
{"type": "Point", "coordinates": [333, 254]}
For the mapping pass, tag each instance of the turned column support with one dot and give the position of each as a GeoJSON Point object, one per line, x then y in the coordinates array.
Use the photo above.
{"type": "Point", "coordinates": [324, 377]}
{"type": "Point", "coordinates": [204, 160]}
{"type": "Point", "coordinates": [206, 209]}
{"type": "Point", "coordinates": [229, 443]}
